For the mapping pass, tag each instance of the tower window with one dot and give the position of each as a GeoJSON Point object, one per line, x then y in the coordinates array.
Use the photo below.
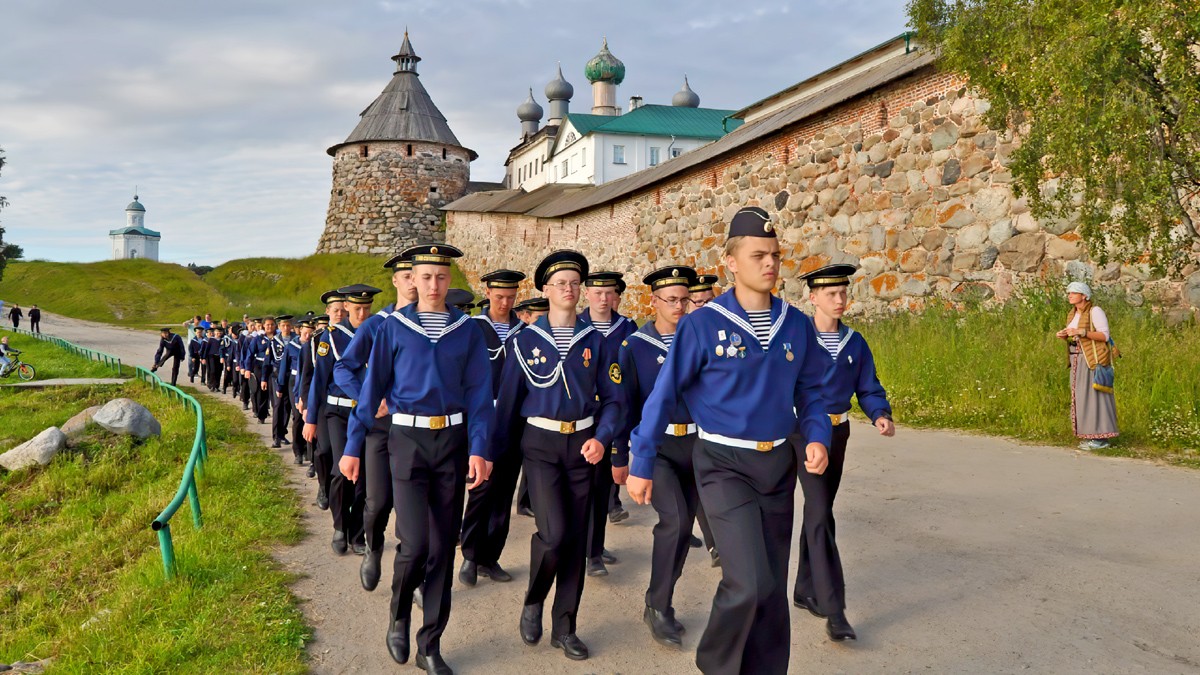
{"type": "Point", "coordinates": [364, 151]}
{"type": "Point", "coordinates": [443, 153]}
{"type": "Point", "coordinates": [410, 149]}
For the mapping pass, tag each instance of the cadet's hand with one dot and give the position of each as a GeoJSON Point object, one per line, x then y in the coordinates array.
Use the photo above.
{"type": "Point", "coordinates": [310, 432]}
{"type": "Point", "coordinates": [639, 489]}
{"type": "Point", "coordinates": [885, 427]}
{"type": "Point", "coordinates": [818, 458]}
{"type": "Point", "coordinates": [592, 451]}
{"type": "Point", "coordinates": [620, 474]}
{"type": "Point", "coordinates": [263, 386]}
{"type": "Point", "coordinates": [383, 411]}
{"type": "Point", "coordinates": [478, 471]}
{"type": "Point", "coordinates": [349, 468]}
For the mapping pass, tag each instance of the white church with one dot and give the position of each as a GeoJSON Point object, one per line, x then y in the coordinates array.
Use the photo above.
{"type": "Point", "coordinates": [134, 240]}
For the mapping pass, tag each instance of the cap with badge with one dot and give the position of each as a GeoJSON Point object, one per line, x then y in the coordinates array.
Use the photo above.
{"type": "Point", "coordinates": [503, 279]}
{"type": "Point", "coordinates": [460, 299]}
{"type": "Point", "coordinates": [606, 280]}
{"type": "Point", "coordinates": [331, 296]}
{"type": "Point", "coordinates": [533, 305]}
{"type": "Point", "coordinates": [751, 221]}
{"type": "Point", "coordinates": [283, 317]}
{"type": "Point", "coordinates": [164, 330]}
{"type": "Point", "coordinates": [432, 254]}
{"type": "Point", "coordinates": [563, 259]}
{"type": "Point", "coordinates": [359, 294]}
{"type": "Point", "coordinates": [672, 275]}
{"type": "Point", "coordinates": [830, 275]}
{"type": "Point", "coordinates": [399, 262]}
{"type": "Point", "coordinates": [484, 305]}
{"type": "Point", "coordinates": [320, 320]}
{"type": "Point", "coordinates": [704, 282]}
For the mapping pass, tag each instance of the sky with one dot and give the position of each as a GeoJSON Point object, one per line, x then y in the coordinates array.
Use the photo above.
{"type": "Point", "coordinates": [220, 112]}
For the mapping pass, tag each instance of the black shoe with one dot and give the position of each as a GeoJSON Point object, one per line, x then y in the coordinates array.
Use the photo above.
{"type": "Point", "coordinates": [839, 628]}
{"type": "Point", "coordinates": [716, 556]}
{"type": "Point", "coordinates": [322, 499]}
{"type": "Point", "coordinates": [608, 558]}
{"type": "Point", "coordinates": [468, 574]}
{"type": "Point", "coordinates": [419, 598]}
{"type": "Point", "coordinates": [525, 511]}
{"type": "Point", "coordinates": [312, 471]}
{"type": "Point", "coordinates": [358, 549]}
{"type": "Point", "coordinates": [433, 664]}
{"type": "Point", "coordinates": [617, 515]}
{"type": "Point", "coordinates": [661, 629]}
{"type": "Point", "coordinates": [245, 406]}
{"type": "Point", "coordinates": [571, 645]}
{"type": "Point", "coordinates": [531, 623]}
{"type": "Point", "coordinates": [695, 542]}
{"type": "Point", "coordinates": [275, 444]}
{"type": "Point", "coordinates": [670, 614]}
{"type": "Point", "coordinates": [807, 603]}
{"type": "Point", "coordinates": [262, 420]}
{"type": "Point", "coordinates": [339, 542]}
{"type": "Point", "coordinates": [369, 570]}
{"type": "Point", "coordinates": [397, 640]}
{"type": "Point", "coordinates": [285, 441]}
{"type": "Point", "coordinates": [298, 460]}
{"type": "Point", "coordinates": [596, 568]}
{"type": "Point", "coordinates": [494, 572]}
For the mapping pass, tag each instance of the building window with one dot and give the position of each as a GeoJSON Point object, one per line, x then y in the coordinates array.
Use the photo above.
{"type": "Point", "coordinates": [618, 154]}
{"type": "Point", "coordinates": [675, 152]}
{"type": "Point", "coordinates": [654, 156]}
{"type": "Point", "coordinates": [364, 151]}
{"type": "Point", "coordinates": [583, 158]}
{"type": "Point", "coordinates": [443, 153]}
{"type": "Point", "coordinates": [555, 173]}
{"type": "Point", "coordinates": [565, 167]}
{"type": "Point", "coordinates": [410, 149]}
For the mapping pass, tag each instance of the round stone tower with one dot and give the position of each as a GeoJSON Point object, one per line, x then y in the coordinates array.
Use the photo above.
{"type": "Point", "coordinates": [395, 171]}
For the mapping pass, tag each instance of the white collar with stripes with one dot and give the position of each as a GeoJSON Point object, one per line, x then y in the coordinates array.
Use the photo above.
{"type": "Point", "coordinates": [747, 327]}
{"type": "Point", "coordinates": [588, 328]}
{"type": "Point", "coordinates": [654, 341]}
{"type": "Point", "coordinates": [612, 326]}
{"type": "Point", "coordinates": [416, 327]}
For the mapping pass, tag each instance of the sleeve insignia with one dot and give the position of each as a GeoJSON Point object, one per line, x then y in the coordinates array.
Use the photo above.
{"type": "Point", "coordinates": [614, 373]}
{"type": "Point", "coordinates": [323, 349]}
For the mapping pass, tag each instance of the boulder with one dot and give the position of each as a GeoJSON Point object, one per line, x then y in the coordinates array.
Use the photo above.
{"type": "Point", "coordinates": [38, 450]}
{"type": "Point", "coordinates": [78, 424]}
{"type": "Point", "coordinates": [126, 416]}
{"type": "Point", "coordinates": [1023, 253]}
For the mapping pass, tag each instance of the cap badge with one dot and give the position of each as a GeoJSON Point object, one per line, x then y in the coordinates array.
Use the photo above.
{"type": "Point", "coordinates": [433, 250]}
{"type": "Point", "coordinates": [674, 273]}
{"type": "Point", "coordinates": [767, 227]}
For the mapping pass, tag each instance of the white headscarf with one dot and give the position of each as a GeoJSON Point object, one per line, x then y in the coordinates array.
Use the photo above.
{"type": "Point", "coordinates": [1079, 287]}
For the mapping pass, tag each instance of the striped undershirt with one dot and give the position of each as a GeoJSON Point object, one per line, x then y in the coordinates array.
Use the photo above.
{"type": "Point", "coordinates": [668, 339]}
{"type": "Point", "coordinates": [760, 321]}
{"type": "Point", "coordinates": [602, 326]}
{"type": "Point", "coordinates": [831, 342]}
{"type": "Point", "coordinates": [434, 323]}
{"type": "Point", "coordinates": [562, 339]}
{"type": "Point", "coordinates": [501, 330]}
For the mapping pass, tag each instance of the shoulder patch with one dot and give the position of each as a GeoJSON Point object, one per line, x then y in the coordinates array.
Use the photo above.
{"type": "Point", "coordinates": [323, 349]}
{"type": "Point", "coordinates": [614, 373]}
{"type": "Point", "coordinates": [624, 343]}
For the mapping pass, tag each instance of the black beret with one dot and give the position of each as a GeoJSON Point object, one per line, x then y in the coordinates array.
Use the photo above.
{"type": "Point", "coordinates": [432, 254]}
{"type": "Point", "coordinates": [704, 282]}
{"type": "Point", "coordinates": [359, 294]}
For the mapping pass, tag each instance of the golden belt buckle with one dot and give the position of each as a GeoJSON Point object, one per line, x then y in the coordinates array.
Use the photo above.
{"type": "Point", "coordinates": [764, 446]}
{"type": "Point", "coordinates": [438, 422]}
{"type": "Point", "coordinates": [836, 419]}
{"type": "Point", "coordinates": [679, 429]}
{"type": "Point", "coordinates": [566, 427]}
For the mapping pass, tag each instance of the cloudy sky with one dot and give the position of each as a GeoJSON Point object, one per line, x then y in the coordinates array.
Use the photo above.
{"type": "Point", "coordinates": [220, 111]}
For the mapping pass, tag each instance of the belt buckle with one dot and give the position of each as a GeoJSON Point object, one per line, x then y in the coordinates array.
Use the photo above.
{"type": "Point", "coordinates": [835, 419]}
{"type": "Point", "coordinates": [764, 446]}
{"type": "Point", "coordinates": [679, 429]}
{"type": "Point", "coordinates": [438, 422]}
{"type": "Point", "coordinates": [566, 427]}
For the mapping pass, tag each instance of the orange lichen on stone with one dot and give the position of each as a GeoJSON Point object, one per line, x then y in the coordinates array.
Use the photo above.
{"type": "Point", "coordinates": [946, 215]}
{"type": "Point", "coordinates": [813, 263]}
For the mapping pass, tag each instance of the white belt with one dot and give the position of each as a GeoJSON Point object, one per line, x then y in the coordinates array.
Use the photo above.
{"type": "Point", "coordinates": [343, 402]}
{"type": "Point", "coordinates": [839, 419]}
{"type": "Point", "coordinates": [680, 429]}
{"type": "Point", "coordinates": [423, 422]}
{"type": "Point", "coordinates": [761, 446]}
{"type": "Point", "coordinates": [562, 427]}
{"type": "Point", "coordinates": [258, 358]}
{"type": "Point", "coordinates": [294, 371]}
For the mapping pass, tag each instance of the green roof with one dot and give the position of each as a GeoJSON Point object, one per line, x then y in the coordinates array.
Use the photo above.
{"type": "Point", "coordinates": [659, 120]}
{"type": "Point", "coordinates": [135, 230]}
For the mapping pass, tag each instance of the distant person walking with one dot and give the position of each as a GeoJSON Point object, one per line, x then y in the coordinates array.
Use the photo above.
{"type": "Point", "coordinates": [15, 315]}
{"type": "Point", "coordinates": [35, 319]}
{"type": "Point", "coordinates": [192, 325]}
{"type": "Point", "coordinates": [1089, 340]}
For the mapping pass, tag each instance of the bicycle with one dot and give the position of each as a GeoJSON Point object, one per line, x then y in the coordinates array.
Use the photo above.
{"type": "Point", "coordinates": [23, 370]}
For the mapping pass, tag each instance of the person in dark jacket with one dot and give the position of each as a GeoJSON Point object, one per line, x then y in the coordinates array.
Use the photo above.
{"type": "Point", "coordinates": [170, 345]}
{"type": "Point", "coordinates": [35, 319]}
{"type": "Point", "coordinates": [15, 315]}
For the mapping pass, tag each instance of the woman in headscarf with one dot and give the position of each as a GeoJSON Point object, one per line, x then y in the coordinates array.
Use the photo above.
{"type": "Point", "coordinates": [1093, 410]}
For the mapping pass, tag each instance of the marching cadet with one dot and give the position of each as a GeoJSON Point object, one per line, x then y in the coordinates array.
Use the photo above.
{"type": "Point", "coordinates": [289, 384]}
{"type": "Point", "coordinates": [347, 496]}
{"type": "Point", "coordinates": [460, 299]}
{"type": "Point", "coordinates": [675, 497]}
{"type": "Point", "coordinates": [603, 290]}
{"type": "Point", "coordinates": [170, 345]}
{"type": "Point", "coordinates": [212, 358]}
{"type": "Point", "coordinates": [273, 370]}
{"type": "Point", "coordinates": [246, 359]}
{"type": "Point", "coordinates": [559, 376]}
{"type": "Point", "coordinates": [241, 347]}
{"type": "Point", "coordinates": [429, 365]}
{"type": "Point", "coordinates": [744, 365]}
{"type": "Point", "coordinates": [529, 312]}
{"type": "Point", "coordinates": [260, 388]}
{"type": "Point", "coordinates": [375, 469]}
{"type": "Point", "coordinates": [489, 508]}
{"type": "Point", "coordinates": [226, 354]}
{"type": "Point", "coordinates": [700, 293]}
{"type": "Point", "coordinates": [195, 356]}
{"type": "Point", "coordinates": [319, 453]}
{"type": "Point", "coordinates": [850, 371]}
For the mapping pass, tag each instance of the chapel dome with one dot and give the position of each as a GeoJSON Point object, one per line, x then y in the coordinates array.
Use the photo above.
{"type": "Point", "coordinates": [604, 67]}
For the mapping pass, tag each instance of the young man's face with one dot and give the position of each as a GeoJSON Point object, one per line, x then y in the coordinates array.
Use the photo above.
{"type": "Point", "coordinates": [671, 303]}
{"type": "Point", "coordinates": [358, 313]}
{"type": "Point", "coordinates": [562, 289]}
{"type": "Point", "coordinates": [755, 263]}
{"type": "Point", "coordinates": [305, 333]}
{"type": "Point", "coordinates": [286, 328]}
{"type": "Point", "coordinates": [269, 326]}
{"type": "Point", "coordinates": [602, 298]}
{"type": "Point", "coordinates": [336, 312]}
{"type": "Point", "coordinates": [432, 282]}
{"type": "Point", "coordinates": [208, 317]}
{"type": "Point", "coordinates": [502, 299]}
{"type": "Point", "coordinates": [831, 300]}
{"type": "Point", "coordinates": [405, 288]}
{"type": "Point", "coordinates": [700, 299]}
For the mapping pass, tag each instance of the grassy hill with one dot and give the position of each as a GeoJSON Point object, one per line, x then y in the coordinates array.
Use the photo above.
{"type": "Point", "coordinates": [142, 292]}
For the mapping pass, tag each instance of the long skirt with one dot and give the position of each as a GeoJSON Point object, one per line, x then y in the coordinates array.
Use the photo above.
{"type": "Point", "coordinates": [1093, 413]}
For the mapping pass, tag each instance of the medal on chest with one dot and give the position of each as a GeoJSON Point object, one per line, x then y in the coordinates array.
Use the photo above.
{"type": "Point", "coordinates": [788, 347]}
{"type": "Point", "coordinates": [662, 358]}
{"type": "Point", "coordinates": [587, 356]}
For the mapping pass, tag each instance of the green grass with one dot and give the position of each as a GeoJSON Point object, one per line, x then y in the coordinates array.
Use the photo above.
{"type": "Point", "coordinates": [77, 544]}
{"type": "Point", "coordinates": [1002, 371]}
{"type": "Point", "coordinates": [51, 361]}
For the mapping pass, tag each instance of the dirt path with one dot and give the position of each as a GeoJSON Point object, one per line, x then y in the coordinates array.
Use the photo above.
{"type": "Point", "coordinates": [963, 554]}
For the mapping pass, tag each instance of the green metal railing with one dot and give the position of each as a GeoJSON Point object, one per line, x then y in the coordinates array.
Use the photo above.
{"type": "Point", "coordinates": [195, 465]}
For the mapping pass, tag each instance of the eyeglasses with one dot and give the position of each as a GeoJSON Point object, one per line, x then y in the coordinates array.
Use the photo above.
{"type": "Point", "coordinates": [699, 303]}
{"type": "Point", "coordinates": [564, 285]}
{"type": "Point", "coordinates": [674, 302]}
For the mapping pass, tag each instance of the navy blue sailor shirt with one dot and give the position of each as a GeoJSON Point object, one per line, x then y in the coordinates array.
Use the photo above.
{"type": "Point", "coordinates": [538, 383]}
{"type": "Point", "coordinates": [734, 386]}
{"type": "Point", "coordinates": [289, 366]}
{"type": "Point", "coordinates": [497, 349]}
{"type": "Point", "coordinates": [852, 373]}
{"type": "Point", "coordinates": [641, 357]}
{"type": "Point", "coordinates": [420, 376]}
{"type": "Point", "coordinates": [172, 345]}
{"type": "Point", "coordinates": [351, 369]}
{"type": "Point", "coordinates": [273, 361]}
{"type": "Point", "coordinates": [328, 351]}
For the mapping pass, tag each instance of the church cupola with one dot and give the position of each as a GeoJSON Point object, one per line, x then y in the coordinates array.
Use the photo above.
{"type": "Point", "coordinates": [685, 98]}
{"type": "Point", "coordinates": [406, 60]}
{"type": "Point", "coordinates": [605, 72]}
{"type": "Point", "coordinates": [559, 93]}
{"type": "Point", "coordinates": [530, 114]}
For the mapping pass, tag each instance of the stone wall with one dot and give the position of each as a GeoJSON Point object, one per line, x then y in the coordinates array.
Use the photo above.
{"type": "Point", "coordinates": [386, 197]}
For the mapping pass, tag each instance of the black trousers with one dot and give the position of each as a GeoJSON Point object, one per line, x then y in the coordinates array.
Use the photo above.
{"type": "Point", "coordinates": [260, 399]}
{"type": "Point", "coordinates": [174, 369]}
{"type": "Point", "coordinates": [378, 477]}
{"type": "Point", "coordinates": [820, 574]}
{"type": "Point", "coordinates": [749, 498]}
{"type": "Point", "coordinates": [299, 445]}
{"type": "Point", "coordinates": [245, 382]}
{"type": "Point", "coordinates": [560, 487]}
{"type": "Point", "coordinates": [428, 471]}
{"type": "Point", "coordinates": [35, 325]}
{"type": "Point", "coordinates": [193, 367]}
{"type": "Point", "coordinates": [489, 507]}
{"type": "Point", "coordinates": [674, 498]}
{"type": "Point", "coordinates": [322, 451]}
{"type": "Point", "coordinates": [213, 364]}
{"type": "Point", "coordinates": [281, 409]}
{"type": "Point", "coordinates": [523, 490]}
{"type": "Point", "coordinates": [705, 528]}
{"type": "Point", "coordinates": [231, 378]}
{"type": "Point", "coordinates": [602, 485]}
{"type": "Point", "coordinates": [347, 500]}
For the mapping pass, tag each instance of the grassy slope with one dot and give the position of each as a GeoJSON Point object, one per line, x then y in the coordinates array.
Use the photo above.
{"type": "Point", "coordinates": [77, 541]}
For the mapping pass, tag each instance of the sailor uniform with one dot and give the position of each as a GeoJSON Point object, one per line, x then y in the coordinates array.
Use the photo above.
{"type": "Point", "coordinates": [227, 370]}
{"type": "Point", "coordinates": [260, 399]}
{"type": "Point", "coordinates": [320, 451]}
{"type": "Point", "coordinates": [287, 375]}
{"type": "Point", "coordinates": [169, 347]}
{"type": "Point", "coordinates": [272, 371]}
{"type": "Point", "coordinates": [211, 353]}
{"type": "Point", "coordinates": [195, 358]}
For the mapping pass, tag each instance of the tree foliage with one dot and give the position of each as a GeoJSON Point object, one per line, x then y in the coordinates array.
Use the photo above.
{"type": "Point", "coordinates": [1105, 95]}
{"type": "Point", "coordinates": [7, 251]}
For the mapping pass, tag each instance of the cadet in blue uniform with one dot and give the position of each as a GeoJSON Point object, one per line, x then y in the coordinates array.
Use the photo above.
{"type": "Point", "coordinates": [674, 497]}
{"type": "Point", "coordinates": [603, 290]}
{"type": "Point", "coordinates": [429, 364]}
{"type": "Point", "coordinates": [319, 453]}
{"type": "Point", "coordinates": [850, 371]}
{"type": "Point", "coordinates": [170, 345]}
{"type": "Point", "coordinates": [244, 359]}
{"type": "Point", "coordinates": [700, 294]}
{"type": "Point", "coordinates": [489, 508]}
{"type": "Point", "coordinates": [195, 356]}
{"type": "Point", "coordinates": [559, 376]}
{"type": "Point", "coordinates": [376, 469]}
{"type": "Point", "coordinates": [287, 379]}
{"type": "Point", "coordinates": [745, 365]}
{"type": "Point", "coordinates": [281, 408]}
{"type": "Point", "coordinates": [529, 311]}
{"type": "Point", "coordinates": [210, 352]}
{"type": "Point", "coordinates": [227, 358]}
{"type": "Point", "coordinates": [347, 496]}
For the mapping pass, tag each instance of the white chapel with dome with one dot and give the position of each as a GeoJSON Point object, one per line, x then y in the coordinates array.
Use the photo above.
{"type": "Point", "coordinates": [134, 240]}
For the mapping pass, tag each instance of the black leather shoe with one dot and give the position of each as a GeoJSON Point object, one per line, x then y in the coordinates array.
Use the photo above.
{"type": "Point", "coordinates": [285, 441]}
{"type": "Point", "coordinates": [276, 444]}
{"type": "Point", "coordinates": [716, 556]}
{"type": "Point", "coordinates": [369, 570]}
{"type": "Point", "coordinates": [571, 645]}
{"type": "Point", "coordinates": [670, 614]}
{"type": "Point", "coordinates": [661, 629]}
{"type": "Point", "coordinates": [339, 542]}
{"type": "Point", "coordinates": [433, 664]}
{"type": "Point", "coordinates": [596, 568]}
{"type": "Point", "coordinates": [397, 640]}
{"type": "Point", "coordinates": [298, 460]}
{"type": "Point", "coordinates": [807, 603]}
{"type": "Point", "coordinates": [322, 498]}
{"type": "Point", "coordinates": [617, 515]}
{"type": "Point", "coordinates": [525, 511]}
{"type": "Point", "coordinates": [419, 598]}
{"type": "Point", "coordinates": [608, 558]}
{"type": "Point", "coordinates": [468, 574]}
{"type": "Point", "coordinates": [494, 572]}
{"type": "Point", "coordinates": [245, 406]}
{"type": "Point", "coordinates": [695, 542]}
{"type": "Point", "coordinates": [358, 549]}
{"type": "Point", "coordinates": [839, 628]}
{"type": "Point", "coordinates": [312, 472]}
{"type": "Point", "coordinates": [531, 623]}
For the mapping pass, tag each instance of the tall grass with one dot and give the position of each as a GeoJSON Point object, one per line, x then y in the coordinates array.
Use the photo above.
{"type": "Point", "coordinates": [1001, 370]}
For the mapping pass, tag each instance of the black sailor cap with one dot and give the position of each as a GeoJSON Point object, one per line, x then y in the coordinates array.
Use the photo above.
{"type": "Point", "coordinates": [672, 275]}
{"type": "Point", "coordinates": [359, 294]}
{"type": "Point", "coordinates": [503, 279]}
{"type": "Point", "coordinates": [563, 259]}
